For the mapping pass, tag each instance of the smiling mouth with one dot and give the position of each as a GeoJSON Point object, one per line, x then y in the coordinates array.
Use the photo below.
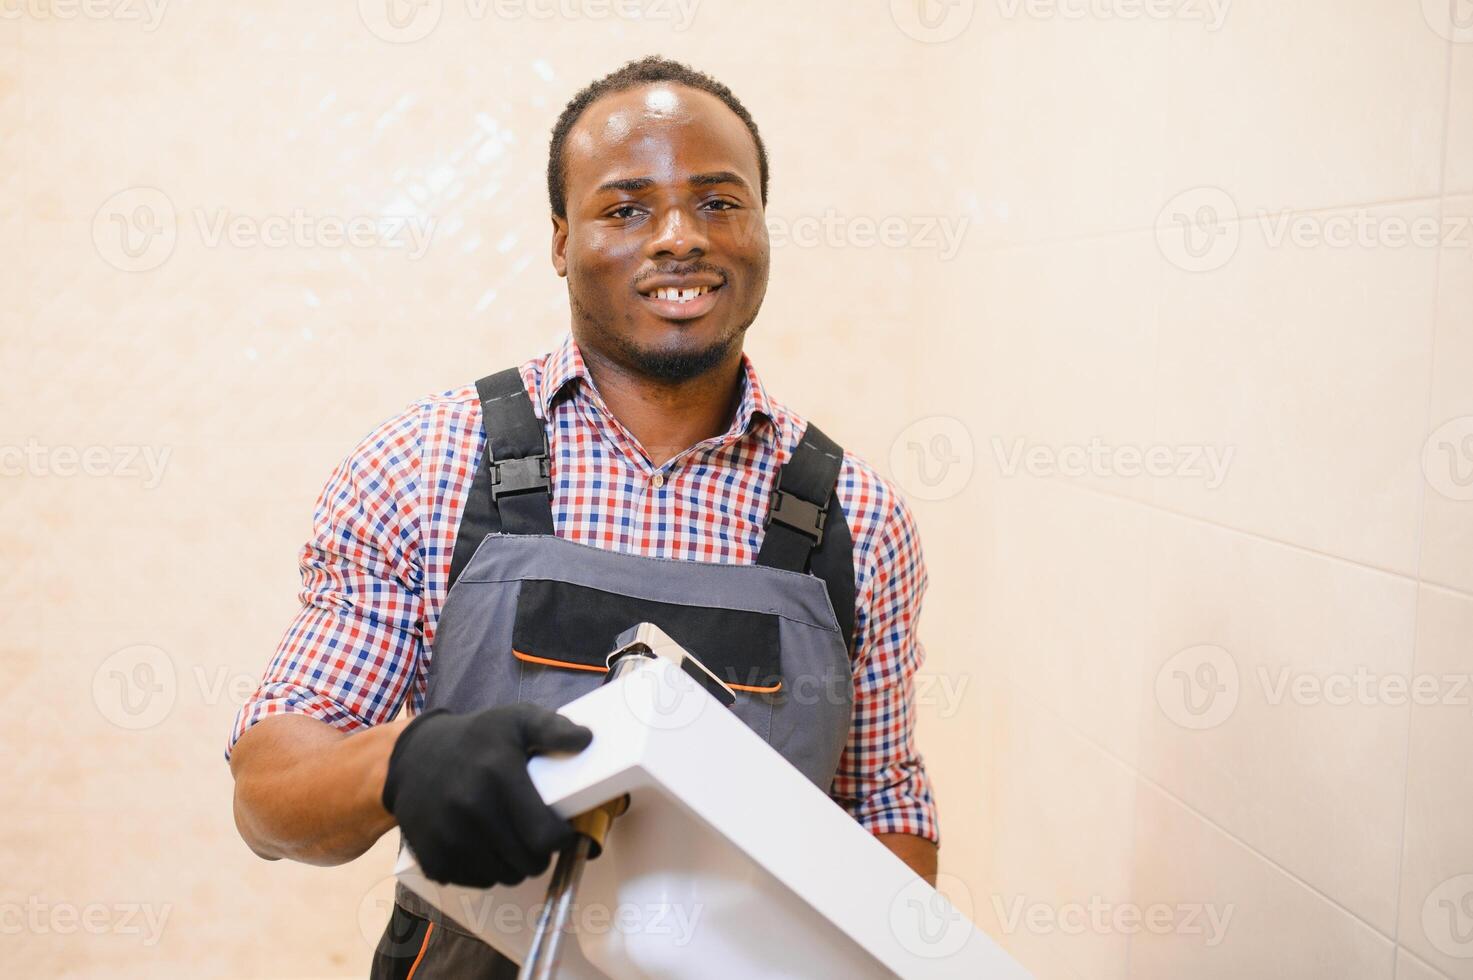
{"type": "Point", "coordinates": [677, 303]}
{"type": "Point", "coordinates": [677, 295]}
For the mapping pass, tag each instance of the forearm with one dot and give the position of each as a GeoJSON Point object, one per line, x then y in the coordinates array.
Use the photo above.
{"type": "Point", "coordinates": [918, 852]}
{"type": "Point", "coordinates": [305, 791]}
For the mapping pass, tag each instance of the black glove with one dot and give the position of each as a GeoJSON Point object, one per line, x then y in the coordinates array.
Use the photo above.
{"type": "Point", "coordinates": [458, 785]}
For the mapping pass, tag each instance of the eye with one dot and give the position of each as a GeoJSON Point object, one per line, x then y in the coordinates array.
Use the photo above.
{"type": "Point", "coordinates": [724, 204]}
{"type": "Point", "coordinates": [624, 211]}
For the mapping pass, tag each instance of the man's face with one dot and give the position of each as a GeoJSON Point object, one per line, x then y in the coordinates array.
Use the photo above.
{"type": "Point", "coordinates": [663, 192]}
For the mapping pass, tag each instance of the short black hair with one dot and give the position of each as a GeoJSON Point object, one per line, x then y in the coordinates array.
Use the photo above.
{"type": "Point", "coordinates": [640, 72]}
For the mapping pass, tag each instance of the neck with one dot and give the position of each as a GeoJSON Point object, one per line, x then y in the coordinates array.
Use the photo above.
{"type": "Point", "coordinates": [668, 417]}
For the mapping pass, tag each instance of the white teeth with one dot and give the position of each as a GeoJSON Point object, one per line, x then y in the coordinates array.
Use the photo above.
{"type": "Point", "coordinates": [680, 295]}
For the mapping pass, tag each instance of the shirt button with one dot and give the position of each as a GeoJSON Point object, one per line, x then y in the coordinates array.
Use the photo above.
{"type": "Point", "coordinates": [658, 480]}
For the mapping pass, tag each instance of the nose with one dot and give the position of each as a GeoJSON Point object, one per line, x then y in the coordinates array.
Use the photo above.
{"type": "Point", "coordinates": [678, 234]}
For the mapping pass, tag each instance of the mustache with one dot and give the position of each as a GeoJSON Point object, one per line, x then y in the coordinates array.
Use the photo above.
{"type": "Point", "coordinates": [686, 269]}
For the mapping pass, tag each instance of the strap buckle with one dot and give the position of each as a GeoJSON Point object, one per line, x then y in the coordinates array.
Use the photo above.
{"type": "Point", "coordinates": [803, 516]}
{"type": "Point", "coordinates": [521, 474]}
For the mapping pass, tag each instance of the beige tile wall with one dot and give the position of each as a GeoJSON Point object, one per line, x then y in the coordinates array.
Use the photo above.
{"type": "Point", "coordinates": [1161, 708]}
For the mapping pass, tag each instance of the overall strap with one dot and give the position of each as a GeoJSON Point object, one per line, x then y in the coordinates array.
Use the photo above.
{"type": "Point", "coordinates": [806, 529]}
{"type": "Point", "coordinates": [511, 490]}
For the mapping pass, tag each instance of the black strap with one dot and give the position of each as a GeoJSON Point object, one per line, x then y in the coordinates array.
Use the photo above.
{"type": "Point", "coordinates": [511, 490]}
{"type": "Point", "coordinates": [805, 531]}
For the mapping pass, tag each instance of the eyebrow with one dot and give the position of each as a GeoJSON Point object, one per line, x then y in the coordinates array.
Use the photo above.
{"type": "Point", "coordinates": [633, 184]}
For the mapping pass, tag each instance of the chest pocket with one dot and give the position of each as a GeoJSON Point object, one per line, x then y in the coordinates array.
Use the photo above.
{"type": "Point", "coordinates": [563, 632]}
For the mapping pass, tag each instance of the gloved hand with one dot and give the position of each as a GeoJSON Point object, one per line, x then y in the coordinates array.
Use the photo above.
{"type": "Point", "coordinates": [459, 787]}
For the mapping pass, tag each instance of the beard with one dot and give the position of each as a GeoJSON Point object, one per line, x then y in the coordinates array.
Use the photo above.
{"type": "Point", "coordinates": [671, 364]}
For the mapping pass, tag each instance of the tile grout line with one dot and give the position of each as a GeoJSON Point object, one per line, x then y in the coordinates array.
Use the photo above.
{"type": "Point", "coordinates": [1256, 535]}
{"type": "Point", "coordinates": [1423, 489]}
{"type": "Point", "coordinates": [1135, 771]}
{"type": "Point", "coordinates": [1429, 967]}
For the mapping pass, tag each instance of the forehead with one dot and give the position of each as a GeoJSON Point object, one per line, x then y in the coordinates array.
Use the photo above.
{"type": "Point", "coordinates": [659, 130]}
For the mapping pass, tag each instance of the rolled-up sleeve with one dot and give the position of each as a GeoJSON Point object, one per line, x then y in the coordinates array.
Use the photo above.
{"type": "Point", "coordinates": [350, 656]}
{"type": "Point", "coordinates": [881, 779]}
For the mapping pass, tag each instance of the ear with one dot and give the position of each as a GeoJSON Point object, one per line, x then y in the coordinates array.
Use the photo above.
{"type": "Point", "coordinates": [560, 245]}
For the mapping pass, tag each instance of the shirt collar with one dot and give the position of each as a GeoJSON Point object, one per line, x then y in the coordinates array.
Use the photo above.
{"type": "Point", "coordinates": [561, 367]}
{"type": "Point", "coordinates": [564, 365]}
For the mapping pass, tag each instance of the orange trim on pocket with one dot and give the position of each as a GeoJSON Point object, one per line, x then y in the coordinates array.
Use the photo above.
{"type": "Point", "coordinates": [757, 690]}
{"type": "Point", "coordinates": [558, 663]}
{"type": "Point", "coordinates": [604, 670]}
{"type": "Point", "coordinates": [422, 947]}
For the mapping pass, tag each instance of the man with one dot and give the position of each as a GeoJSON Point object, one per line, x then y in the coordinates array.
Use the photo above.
{"type": "Point", "coordinates": [553, 497]}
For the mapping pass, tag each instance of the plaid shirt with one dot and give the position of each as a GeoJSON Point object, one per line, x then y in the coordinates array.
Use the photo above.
{"type": "Point", "coordinates": [376, 569]}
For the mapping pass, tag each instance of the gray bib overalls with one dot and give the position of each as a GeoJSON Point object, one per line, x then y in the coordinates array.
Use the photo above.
{"type": "Point", "coordinates": [530, 617]}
